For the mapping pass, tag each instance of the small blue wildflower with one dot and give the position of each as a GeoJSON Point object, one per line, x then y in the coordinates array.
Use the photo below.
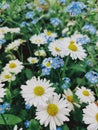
{"type": "Point", "coordinates": [6, 106]}
{"type": "Point", "coordinates": [83, 40]}
{"type": "Point", "coordinates": [2, 41]}
{"type": "Point", "coordinates": [23, 24]}
{"type": "Point", "coordinates": [5, 6]}
{"type": "Point", "coordinates": [43, 2]}
{"type": "Point", "coordinates": [66, 80]}
{"type": "Point", "coordinates": [46, 71]}
{"type": "Point", "coordinates": [64, 86]}
{"type": "Point", "coordinates": [2, 109]}
{"type": "Point", "coordinates": [27, 123]}
{"type": "Point", "coordinates": [75, 8]}
{"type": "Point", "coordinates": [58, 128]}
{"type": "Point", "coordinates": [92, 76]}
{"type": "Point", "coordinates": [0, 20]}
{"type": "Point", "coordinates": [90, 28]}
{"type": "Point", "coordinates": [89, 63]}
{"type": "Point", "coordinates": [27, 106]}
{"type": "Point", "coordinates": [57, 63]}
{"type": "Point", "coordinates": [39, 9]}
{"type": "Point", "coordinates": [30, 15]}
{"type": "Point", "coordinates": [63, 2]}
{"type": "Point", "coordinates": [34, 21]}
{"type": "Point", "coordinates": [55, 21]}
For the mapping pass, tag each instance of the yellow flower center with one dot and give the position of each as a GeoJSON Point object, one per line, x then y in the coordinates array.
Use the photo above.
{"type": "Point", "coordinates": [48, 64]}
{"type": "Point", "coordinates": [7, 76]}
{"type": "Point", "coordinates": [39, 90]}
{"type": "Point", "coordinates": [38, 41]}
{"type": "Point", "coordinates": [48, 33]}
{"type": "Point", "coordinates": [97, 117]}
{"type": "Point", "coordinates": [72, 46]}
{"type": "Point", "coordinates": [3, 31]}
{"type": "Point", "coordinates": [70, 98]}
{"type": "Point", "coordinates": [12, 65]}
{"type": "Point", "coordinates": [52, 109]}
{"type": "Point", "coordinates": [85, 93]}
{"type": "Point", "coordinates": [33, 60]}
{"type": "Point", "coordinates": [57, 49]}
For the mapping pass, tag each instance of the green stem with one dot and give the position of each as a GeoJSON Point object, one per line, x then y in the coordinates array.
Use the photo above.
{"type": "Point", "coordinates": [5, 122]}
{"type": "Point", "coordinates": [65, 66]}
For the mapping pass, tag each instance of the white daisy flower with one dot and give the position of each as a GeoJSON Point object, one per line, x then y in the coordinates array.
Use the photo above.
{"type": "Point", "coordinates": [85, 95]}
{"type": "Point", "coordinates": [75, 50]}
{"type": "Point", "coordinates": [40, 53]}
{"type": "Point", "coordinates": [14, 30]}
{"type": "Point", "coordinates": [37, 91]}
{"type": "Point", "coordinates": [54, 113]}
{"type": "Point", "coordinates": [57, 48]}
{"type": "Point", "coordinates": [32, 60]}
{"type": "Point", "coordinates": [4, 30]}
{"type": "Point", "coordinates": [90, 116]}
{"type": "Point", "coordinates": [38, 39]}
{"type": "Point", "coordinates": [1, 36]}
{"type": "Point", "coordinates": [14, 66]}
{"type": "Point", "coordinates": [2, 92]}
{"type": "Point", "coordinates": [6, 76]}
{"type": "Point", "coordinates": [50, 34]}
{"type": "Point", "coordinates": [16, 128]}
{"type": "Point", "coordinates": [68, 95]}
{"type": "Point", "coordinates": [14, 45]}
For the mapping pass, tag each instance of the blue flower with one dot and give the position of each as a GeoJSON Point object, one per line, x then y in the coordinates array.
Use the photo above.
{"type": "Point", "coordinates": [92, 76]}
{"type": "Point", "coordinates": [30, 15]}
{"type": "Point", "coordinates": [75, 8]}
{"type": "Point", "coordinates": [27, 123]}
{"type": "Point", "coordinates": [43, 2]}
{"type": "Point", "coordinates": [63, 2]}
{"type": "Point", "coordinates": [2, 109]}
{"type": "Point", "coordinates": [90, 28]}
{"type": "Point", "coordinates": [34, 21]}
{"type": "Point", "coordinates": [46, 71]}
{"type": "Point", "coordinates": [27, 106]}
{"type": "Point", "coordinates": [6, 106]}
{"type": "Point", "coordinates": [2, 41]}
{"type": "Point", "coordinates": [55, 21]}
{"type": "Point", "coordinates": [57, 63]}
{"type": "Point", "coordinates": [5, 6]}
{"type": "Point", "coordinates": [66, 82]}
{"type": "Point", "coordinates": [0, 20]}
{"type": "Point", "coordinates": [23, 24]}
{"type": "Point", "coordinates": [58, 128]}
{"type": "Point", "coordinates": [83, 40]}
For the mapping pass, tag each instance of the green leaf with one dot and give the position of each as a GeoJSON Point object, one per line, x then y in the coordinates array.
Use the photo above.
{"type": "Point", "coordinates": [28, 73]}
{"type": "Point", "coordinates": [65, 127]}
{"type": "Point", "coordinates": [10, 119]}
{"type": "Point", "coordinates": [34, 125]}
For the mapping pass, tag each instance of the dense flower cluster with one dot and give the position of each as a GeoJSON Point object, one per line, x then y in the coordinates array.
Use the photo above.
{"type": "Point", "coordinates": [48, 65]}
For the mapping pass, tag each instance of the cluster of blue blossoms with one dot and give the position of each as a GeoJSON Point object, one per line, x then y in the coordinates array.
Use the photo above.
{"type": "Point", "coordinates": [90, 28]}
{"type": "Point", "coordinates": [55, 21]}
{"type": "Point", "coordinates": [75, 8]}
{"type": "Point", "coordinates": [4, 107]}
{"type": "Point", "coordinates": [92, 76]}
{"type": "Point", "coordinates": [66, 83]}
{"type": "Point", "coordinates": [49, 63]}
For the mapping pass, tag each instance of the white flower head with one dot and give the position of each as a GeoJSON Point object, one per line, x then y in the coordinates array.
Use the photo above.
{"type": "Point", "coordinates": [7, 76]}
{"type": "Point", "coordinates": [75, 50]}
{"type": "Point", "coordinates": [90, 116]}
{"type": "Point", "coordinates": [54, 113]}
{"type": "Point", "coordinates": [57, 48]}
{"type": "Point", "coordinates": [37, 91]}
{"type": "Point", "coordinates": [14, 66]}
{"type": "Point", "coordinates": [4, 30]}
{"type": "Point", "coordinates": [16, 128]}
{"type": "Point", "coordinates": [85, 95]}
{"type": "Point", "coordinates": [40, 53]}
{"type": "Point", "coordinates": [32, 60]}
{"type": "Point", "coordinates": [2, 92]}
{"type": "Point", "coordinates": [14, 30]}
{"type": "Point", "coordinates": [38, 39]}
